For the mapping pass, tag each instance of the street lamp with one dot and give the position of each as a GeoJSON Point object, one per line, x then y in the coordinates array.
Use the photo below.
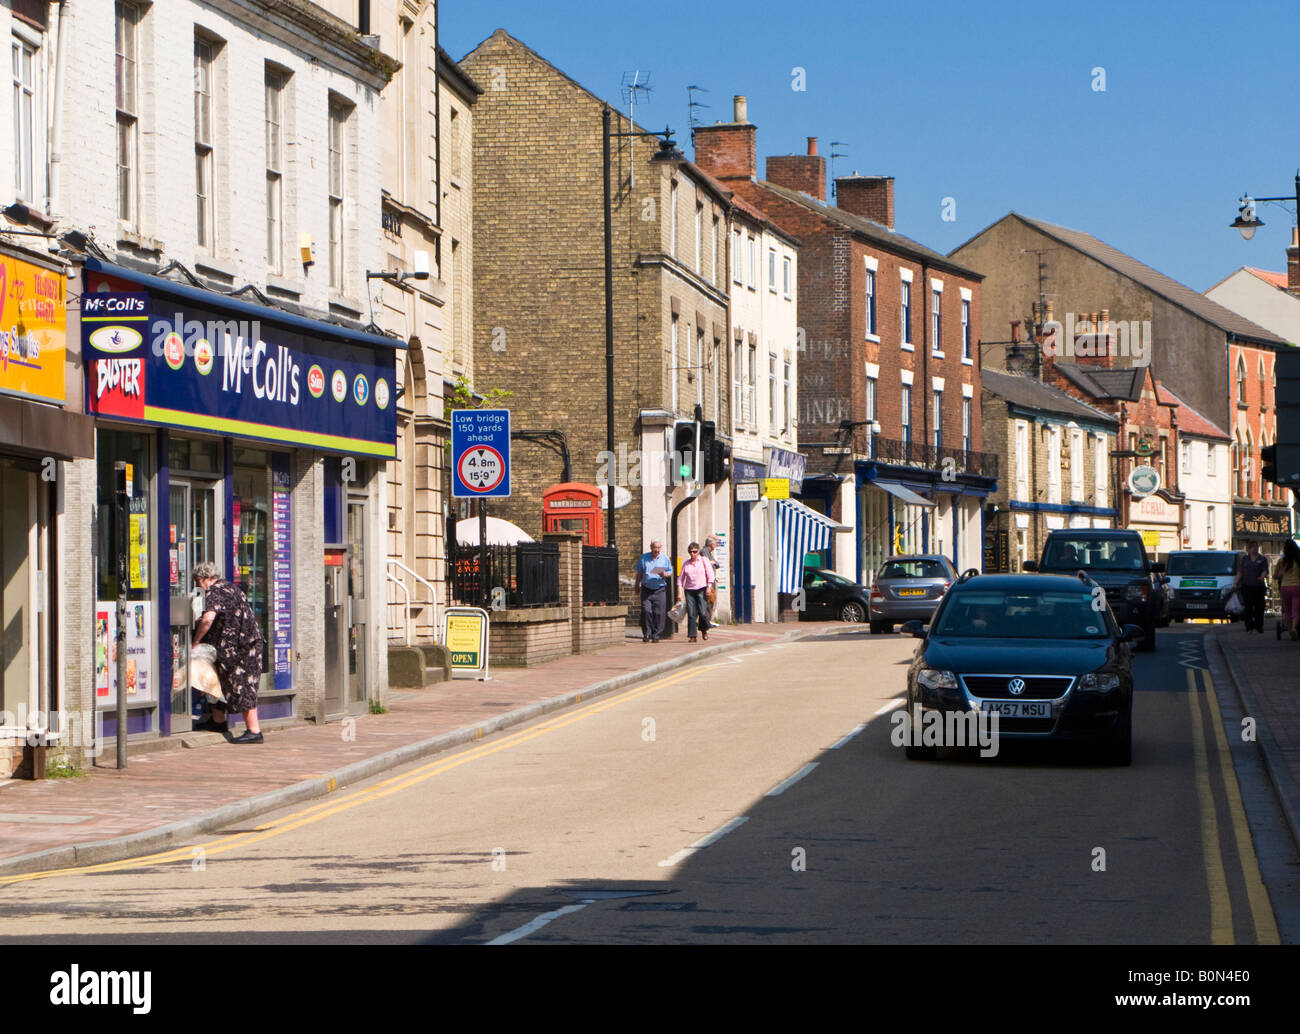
{"type": "Point", "coordinates": [668, 154]}
{"type": "Point", "coordinates": [1247, 222]}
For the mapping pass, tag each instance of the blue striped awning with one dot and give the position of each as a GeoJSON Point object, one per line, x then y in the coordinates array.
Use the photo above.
{"type": "Point", "coordinates": [799, 530]}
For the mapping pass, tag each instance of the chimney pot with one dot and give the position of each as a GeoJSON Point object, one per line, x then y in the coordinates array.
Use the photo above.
{"type": "Point", "coordinates": [741, 108]}
{"type": "Point", "coordinates": [812, 145]}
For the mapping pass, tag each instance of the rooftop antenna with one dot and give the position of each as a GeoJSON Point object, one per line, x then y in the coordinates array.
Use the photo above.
{"type": "Point", "coordinates": [692, 118]}
{"type": "Point", "coordinates": [836, 154]}
{"type": "Point", "coordinates": [635, 84]}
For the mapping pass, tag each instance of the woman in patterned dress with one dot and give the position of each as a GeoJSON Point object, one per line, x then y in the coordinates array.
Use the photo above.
{"type": "Point", "coordinates": [230, 626]}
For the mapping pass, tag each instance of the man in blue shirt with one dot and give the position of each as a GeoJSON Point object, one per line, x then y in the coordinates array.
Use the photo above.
{"type": "Point", "coordinates": [652, 573]}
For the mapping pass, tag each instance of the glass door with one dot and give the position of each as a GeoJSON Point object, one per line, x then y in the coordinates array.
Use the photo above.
{"type": "Point", "coordinates": [194, 535]}
{"type": "Point", "coordinates": [356, 620]}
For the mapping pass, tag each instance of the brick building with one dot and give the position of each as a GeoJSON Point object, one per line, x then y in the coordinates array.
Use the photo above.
{"type": "Point", "coordinates": [888, 330]}
{"type": "Point", "coordinates": [1212, 360]}
{"type": "Point", "coordinates": [539, 306]}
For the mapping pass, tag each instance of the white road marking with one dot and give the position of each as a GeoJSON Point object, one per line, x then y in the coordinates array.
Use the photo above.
{"type": "Point", "coordinates": [850, 736]}
{"type": "Point", "coordinates": [701, 844]}
{"type": "Point", "coordinates": [893, 704]}
{"type": "Point", "coordinates": [536, 924]}
{"type": "Point", "coordinates": [781, 788]}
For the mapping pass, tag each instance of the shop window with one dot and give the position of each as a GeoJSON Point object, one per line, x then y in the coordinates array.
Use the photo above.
{"type": "Point", "coordinates": [250, 517]}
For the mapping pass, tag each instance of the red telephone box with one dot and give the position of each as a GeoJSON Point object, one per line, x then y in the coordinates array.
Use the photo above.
{"type": "Point", "coordinates": [573, 506]}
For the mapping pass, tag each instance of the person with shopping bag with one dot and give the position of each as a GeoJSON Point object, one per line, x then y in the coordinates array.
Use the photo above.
{"type": "Point", "coordinates": [1287, 575]}
{"type": "Point", "coordinates": [694, 585]}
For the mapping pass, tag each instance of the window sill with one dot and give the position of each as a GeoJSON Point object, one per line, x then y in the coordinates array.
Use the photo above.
{"type": "Point", "coordinates": [283, 285]}
{"type": "Point", "coordinates": [907, 346]}
{"type": "Point", "coordinates": [967, 361]}
{"type": "Point", "coordinates": [138, 241]}
{"type": "Point", "coordinates": [210, 267]}
{"type": "Point", "coordinates": [348, 306]}
{"type": "Point", "coordinates": [873, 338]}
{"type": "Point", "coordinates": [937, 355]}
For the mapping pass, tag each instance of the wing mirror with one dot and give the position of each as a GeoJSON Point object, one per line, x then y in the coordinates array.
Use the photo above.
{"type": "Point", "coordinates": [1132, 633]}
{"type": "Point", "coordinates": [1029, 565]}
{"type": "Point", "coordinates": [916, 629]}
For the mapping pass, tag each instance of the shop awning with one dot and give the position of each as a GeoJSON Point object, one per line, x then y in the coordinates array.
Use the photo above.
{"type": "Point", "coordinates": [799, 530]}
{"type": "Point", "coordinates": [905, 494]}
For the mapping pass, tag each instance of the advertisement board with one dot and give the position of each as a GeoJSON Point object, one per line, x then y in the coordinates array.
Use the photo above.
{"type": "Point", "coordinates": [465, 634]}
{"type": "Point", "coordinates": [33, 331]}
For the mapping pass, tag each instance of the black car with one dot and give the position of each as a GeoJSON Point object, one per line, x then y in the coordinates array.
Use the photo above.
{"type": "Point", "coordinates": [1117, 561]}
{"type": "Point", "coordinates": [829, 596]}
{"type": "Point", "coordinates": [1044, 652]}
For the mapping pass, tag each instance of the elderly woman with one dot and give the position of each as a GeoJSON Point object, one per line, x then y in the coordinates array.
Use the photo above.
{"type": "Point", "coordinates": [228, 623]}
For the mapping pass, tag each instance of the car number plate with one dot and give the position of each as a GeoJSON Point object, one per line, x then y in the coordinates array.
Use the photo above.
{"type": "Point", "coordinates": [1198, 606]}
{"type": "Point", "coordinates": [1020, 708]}
{"type": "Point", "coordinates": [911, 592]}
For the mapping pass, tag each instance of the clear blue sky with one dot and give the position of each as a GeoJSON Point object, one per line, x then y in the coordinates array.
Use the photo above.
{"type": "Point", "coordinates": [991, 104]}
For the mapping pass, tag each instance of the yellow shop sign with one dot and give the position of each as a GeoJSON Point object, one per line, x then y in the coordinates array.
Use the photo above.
{"type": "Point", "coordinates": [33, 331]}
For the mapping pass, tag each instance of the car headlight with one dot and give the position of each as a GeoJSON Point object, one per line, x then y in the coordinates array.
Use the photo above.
{"type": "Point", "coordinates": [1138, 592]}
{"type": "Point", "coordinates": [934, 678]}
{"type": "Point", "coordinates": [1102, 682]}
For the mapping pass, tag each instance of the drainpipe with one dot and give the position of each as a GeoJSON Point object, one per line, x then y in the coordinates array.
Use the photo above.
{"type": "Point", "coordinates": [56, 113]}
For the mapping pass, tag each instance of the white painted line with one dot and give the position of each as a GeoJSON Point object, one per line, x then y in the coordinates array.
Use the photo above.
{"type": "Point", "coordinates": [781, 788]}
{"type": "Point", "coordinates": [893, 704]}
{"type": "Point", "coordinates": [537, 924]}
{"type": "Point", "coordinates": [701, 844]}
{"type": "Point", "coordinates": [850, 736]}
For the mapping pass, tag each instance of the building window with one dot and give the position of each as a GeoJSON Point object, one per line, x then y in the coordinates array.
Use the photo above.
{"type": "Point", "coordinates": [1022, 461]}
{"type": "Point", "coordinates": [869, 298]}
{"type": "Point", "coordinates": [907, 413]}
{"type": "Point", "coordinates": [737, 271]}
{"type": "Point", "coordinates": [126, 19]}
{"type": "Point", "coordinates": [714, 280]}
{"type": "Point", "coordinates": [274, 169]}
{"type": "Point", "coordinates": [1241, 380]}
{"type": "Point", "coordinates": [771, 393]}
{"type": "Point", "coordinates": [1209, 527]}
{"type": "Point", "coordinates": [751, 408]}
{"type": "Point", "coordinates": [785, 277]}
{"type": "Point", "coordinates": [753, 265]}
{"type": "Point", "coordinates": [907, 313]}
{"type": "Point", "coordinates": [699, 238]}
{"type": "Point", "coordinates": [1185, 452]}
{"type": "Point", "coordinates": [936, 322]}
{"type": "Point", "coordinates": [672, 218]}
{"type": "Point", "coordinates": [717, 359]}
{"type": "Point", "coordinates": [204, 52]}
{"type": "Point", "coordinates": [737, 382]}
{"type": "Point", "coordinates": [453, 135]}
{"type": "Point", "coordinates": [786, 398]}
{"type": "Point", "coordinates": [1100, 472]}
{"type": "Point", "coordinates": [1054, 465]}
{"type": "Point", "coordinates": [672, 368]}
{"type": "Point", "coordinates": [25, 67]}
{"type": "Point", "coordinates": [771, 270]}
{"type": "Point", "coordinates": [699, 367]}
{"type": "Point", "coordinates": [1263, 395]}
{"type": "Point", "coordinates": [1076, 465]}
{"type": "Point", "coordinates": [965, 425]}
{"type": "Point", "coordinates": [338, 116]}
{"type": "Point", "coordinates": [1210, 450]}
{"type": "Point", "coordinates": [965, 328]}
{"type": "Point", "coordinates": [938, 420]}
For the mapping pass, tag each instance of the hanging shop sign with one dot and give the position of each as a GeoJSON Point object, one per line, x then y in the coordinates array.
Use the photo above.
{"type": "Point", "coordinates": [1143, 481]}
{"type": "Point", "coordinates": [170, 362]}
{"type": "Point", "coordinates": [1267, 522]}
{"type": "Point", "coordinates": [33, 331]}
{"type": "Point", "coordinates": [782, 463]}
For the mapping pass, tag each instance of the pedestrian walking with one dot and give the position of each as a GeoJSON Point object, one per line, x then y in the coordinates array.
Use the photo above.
{"type": "Point", "coordinates": [652, 573]}
{"type": "Point", "coordinates": [1252, 582]}
{"type": "Point", "coordinates": [1286, 574]}
{"type": "Point", "coordinates": [694, 583]}
{"type": "Point", "coordinates": [230, 626]}
{"type": "Point", "coordinates": [711, 544]}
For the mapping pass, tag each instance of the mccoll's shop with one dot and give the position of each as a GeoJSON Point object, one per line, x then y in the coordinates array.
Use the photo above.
{"type": "Point", "coordinates": [255, 439]}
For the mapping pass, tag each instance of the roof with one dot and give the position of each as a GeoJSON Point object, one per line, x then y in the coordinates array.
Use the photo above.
{"type": "Point", "coordinates": [1268, 276]}
{"type": "Point", "coordinates": [873, 231]}
{"type": "Point", "coordinates": [1189, 420]}
{"type": "Point", "coordinates": [755, 213]}
{"type": "Point", "coordinates": [1030, 393]}
{"type": "Point", "coordinates": [457, 76]}
{"type": "Point", "coordinates": [1100, 382]}
{"type": "Point", "coordinates": [1156, 282]}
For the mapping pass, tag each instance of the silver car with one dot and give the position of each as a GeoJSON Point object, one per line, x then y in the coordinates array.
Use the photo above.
{"type": "Point", "coordinates": [908, 588]}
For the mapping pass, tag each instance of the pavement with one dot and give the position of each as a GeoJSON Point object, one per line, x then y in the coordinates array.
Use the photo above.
{"type": "Point", "coordinates": [163, 798]}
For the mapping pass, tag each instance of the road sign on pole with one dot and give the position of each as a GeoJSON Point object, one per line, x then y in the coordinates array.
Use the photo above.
{"type": "Point", "coordinates": [480, 453]}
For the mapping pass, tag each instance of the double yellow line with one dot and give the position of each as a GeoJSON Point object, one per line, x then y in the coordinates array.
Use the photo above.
{"type": "Point", "coordinates": [334, 805]}
{"type": "Point", "coordinates": [1201, 686]}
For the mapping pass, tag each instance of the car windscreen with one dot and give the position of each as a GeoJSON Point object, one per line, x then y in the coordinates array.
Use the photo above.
{"type": "Point", "coordinates": [830, 576]}
{"type": "Point", "coordinates": [1103, 554]}
{"type": "Point", "coordinates": [1023, 614]}
{"type": "Point", "coordinates": [1202, 563]}
{"type": "Point", "coordinates": [913, 569]}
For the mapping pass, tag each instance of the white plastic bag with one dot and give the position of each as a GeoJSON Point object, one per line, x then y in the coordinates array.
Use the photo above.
{"type": "Point", "coordinates": [1234, 607]}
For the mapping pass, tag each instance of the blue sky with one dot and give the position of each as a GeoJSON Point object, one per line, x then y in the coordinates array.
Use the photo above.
{"type": "Point", "coordinates": [990, 104]}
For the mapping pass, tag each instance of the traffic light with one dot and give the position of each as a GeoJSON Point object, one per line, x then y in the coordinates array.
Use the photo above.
{"type": "Point", "coordinates": [683, 455]}
{"type": "Point", "coordinates": [715, 453]}
{"type": "Point", "coordinates": [1282, 458]}
{"type": "Point", "coordinates": [1268, 463]}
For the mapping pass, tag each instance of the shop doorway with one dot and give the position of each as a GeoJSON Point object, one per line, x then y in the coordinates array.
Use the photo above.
{"type": "Point", "coordinates": [194, 535]}
{"type": "Point", "coordinates": [347, 616]}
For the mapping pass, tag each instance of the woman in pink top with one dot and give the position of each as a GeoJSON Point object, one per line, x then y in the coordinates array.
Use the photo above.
{"type": "Point", "coordinates": [693, 583]}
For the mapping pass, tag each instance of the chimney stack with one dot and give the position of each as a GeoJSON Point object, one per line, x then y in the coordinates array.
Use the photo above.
{"type": "Point", "coordinates": [802, 172]}
{"type": "Point", "coordinates": [727, 150]}
{"type": "Point", "coordinates": [871, 197]}
{"type": "Point", "coordinates": [1293, 264]}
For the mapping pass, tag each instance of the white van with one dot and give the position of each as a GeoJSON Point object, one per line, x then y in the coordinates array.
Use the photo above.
{"type": "Point", "coordinates": [1200, 582]}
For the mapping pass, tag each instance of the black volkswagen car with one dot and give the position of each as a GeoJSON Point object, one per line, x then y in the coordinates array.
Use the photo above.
{"type": "Point", "coordinates": [829, 596]}
{"type": "Point", "coordinates": [1042, 651]}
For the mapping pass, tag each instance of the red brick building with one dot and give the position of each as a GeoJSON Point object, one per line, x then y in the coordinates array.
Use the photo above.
{"type": "Point", "coordinates": [889, 385]}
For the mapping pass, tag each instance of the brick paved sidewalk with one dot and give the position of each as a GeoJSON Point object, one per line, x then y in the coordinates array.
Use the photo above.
{"type": "Point", "coordinates": [164, 787]}
{"type": "Point", "coordinates": [1270, 671]}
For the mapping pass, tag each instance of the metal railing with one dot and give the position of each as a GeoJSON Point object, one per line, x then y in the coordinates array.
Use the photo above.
{"type": "Point", "coordinates": [407, 604]}
{"type": "Point", "coordinates": [924, 454]}
{"type": "Point", "coordinates": [522, 575]}
{"type": "Point", "coordinates": [599, 575]}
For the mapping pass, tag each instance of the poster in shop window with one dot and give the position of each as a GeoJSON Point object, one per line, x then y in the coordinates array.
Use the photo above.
{"type": "Point", "coordinates": [139, 665]}
{"type": "Point", "coordinates": [138, 548]}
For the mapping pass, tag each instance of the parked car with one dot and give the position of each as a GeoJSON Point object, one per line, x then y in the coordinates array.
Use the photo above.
{"type": "Point", "coordinates": [1200, 582]}
{"type": "Point", "coordinates": [829, 596]}
{"type": "Point", "coordinates": [908, 587]}
{"type": "Point", "coordinates": [1036, 650]}
{"type": "Point", "coordinates": [1117, 560]}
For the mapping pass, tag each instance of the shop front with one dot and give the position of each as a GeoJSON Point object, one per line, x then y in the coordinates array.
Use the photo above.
{"type": "Point", "coordinates": [253, 439]}
{"type": "Point", "coordinates": [1270, 526]}
{"type": "Point", "coordinates": [1159, 519]}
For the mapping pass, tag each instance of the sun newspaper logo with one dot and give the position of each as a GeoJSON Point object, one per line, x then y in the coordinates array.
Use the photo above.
{"type": "Point", "coordinates": [103, 987]}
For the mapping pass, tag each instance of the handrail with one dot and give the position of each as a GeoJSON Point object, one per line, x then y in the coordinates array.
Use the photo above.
{"type": "Point", "coordinates": [407, 593]}
{"type": "Point", "coordinates": [433, 595]}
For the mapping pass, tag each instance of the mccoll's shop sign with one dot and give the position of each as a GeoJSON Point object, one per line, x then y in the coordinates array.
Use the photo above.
{"type": "Point", "coordinates": [150, 359]}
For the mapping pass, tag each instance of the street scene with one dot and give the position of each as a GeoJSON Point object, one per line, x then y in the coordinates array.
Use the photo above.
{"type": "Point", "coordinates": [439, 508]}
